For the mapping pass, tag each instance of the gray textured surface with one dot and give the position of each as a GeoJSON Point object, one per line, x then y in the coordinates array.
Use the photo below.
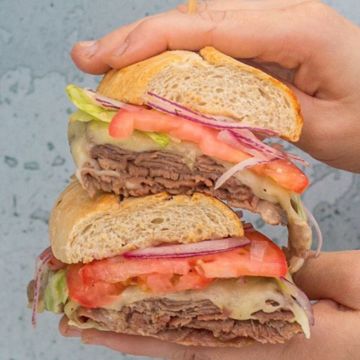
{"type": "Point", "coordinates": [35, 38]}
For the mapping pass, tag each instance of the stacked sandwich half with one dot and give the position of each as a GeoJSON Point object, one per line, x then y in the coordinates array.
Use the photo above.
{"type": "Point", "coordinates": [146, 240]}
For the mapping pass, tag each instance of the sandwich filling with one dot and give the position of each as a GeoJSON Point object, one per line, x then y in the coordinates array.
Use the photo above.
{"type": "Point", "coordinates": [149, 152]}
{"type": "Point", "coordinates": [227, 298]}
{"type": "Point", "coordinates": [198, 322]}
{"type": "Point", "coordinates": [130, 173]}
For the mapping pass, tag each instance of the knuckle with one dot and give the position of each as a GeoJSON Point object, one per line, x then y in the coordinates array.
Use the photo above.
{"type": "Point", "coordinates": [213, 20]}
{"type": "Point", "coordinates": [213, 16]}
{"type": "Point", "coordinates": [322, 14]}
{"type": "Point", "coordinates": [317, 22]}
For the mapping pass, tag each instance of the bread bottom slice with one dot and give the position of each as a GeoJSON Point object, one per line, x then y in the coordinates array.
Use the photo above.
{"type": "Point", "coordinates": [196, 323]}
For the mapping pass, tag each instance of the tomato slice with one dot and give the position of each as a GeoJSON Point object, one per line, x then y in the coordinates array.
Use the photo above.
{"type": "Point", "coordinates": [96, 294]}
{"type": "Point", "coordinates": [283, 172]}
{"type": "Point", "coordinates": [100, 282]}
{"type": "Point", "coordinates": [122, 125]}
{"type": "Point", "coordinates": [118, 268]}
{"type": "Point", "coordinates": [234, 263]}
{"type": "Point", "coordinates": [170, 283]}
{"type": "Point", "coordinates": [261, 258]}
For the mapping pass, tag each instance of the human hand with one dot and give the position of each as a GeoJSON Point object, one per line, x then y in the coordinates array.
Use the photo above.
{"type": "Point", "coordinates": [314, 49]}
{"type": "Point", "coordinates": [333, 279]}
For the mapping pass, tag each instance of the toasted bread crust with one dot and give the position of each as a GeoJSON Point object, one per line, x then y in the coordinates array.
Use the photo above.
{"type": "Point", "coordinates": [215, 57]}
{"type": "Point", "coordinates": [132, 83]}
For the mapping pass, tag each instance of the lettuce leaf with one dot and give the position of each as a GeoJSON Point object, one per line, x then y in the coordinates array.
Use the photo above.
{"type": "Point", "coordinates": [298, 206]}
{"type": "Point", "coordinates": [90, 111]}
{"type": "Point", "coordinates": [82, 116]}
{"type": "Point", "coordinates": [83, 102]}
{"type": "Point", "coordinates": [56, 292]}
{"type": "Point", "coordinates": [162, 140]}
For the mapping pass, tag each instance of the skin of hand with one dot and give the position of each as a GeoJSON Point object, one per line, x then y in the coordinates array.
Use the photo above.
{"type": "Point", "coordinates": [305, 43]}
{"type": "Point", "coordinates": [333, 279]}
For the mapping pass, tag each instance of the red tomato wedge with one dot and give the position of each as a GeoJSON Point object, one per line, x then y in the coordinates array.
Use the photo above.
{"type": "Point", "coordinates": [125, 122]}
{"type": "Point", "coordinates": [92, 295]}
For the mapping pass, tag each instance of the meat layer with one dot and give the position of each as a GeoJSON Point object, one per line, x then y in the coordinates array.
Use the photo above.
{"type": "Point", "coordinates": [128, 173]}
{"type": "Point", "coordinates": [193, 323]}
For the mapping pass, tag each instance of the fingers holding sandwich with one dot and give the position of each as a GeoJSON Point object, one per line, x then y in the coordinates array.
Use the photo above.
{"type": "Point", "coordinates": [92, 56]}
{"type": "Point", "coordinates": [240, 29]}
{"type": "Point", "coordinates": [177, 29]}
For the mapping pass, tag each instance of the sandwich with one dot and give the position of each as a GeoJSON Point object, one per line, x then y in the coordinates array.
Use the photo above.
{"type": "Point", "coordinates": [181, 268]}
{"type": "Point", "coordinates": [150, 238]}
{"type": "Point", "coordinates": [183, 122]}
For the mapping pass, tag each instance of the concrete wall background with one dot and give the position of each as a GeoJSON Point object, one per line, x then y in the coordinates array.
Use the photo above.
{"type": "Point", "coordinates": [35, 39]}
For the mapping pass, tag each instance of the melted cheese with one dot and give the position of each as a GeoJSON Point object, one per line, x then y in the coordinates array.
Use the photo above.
{"type": "Point", "coordinates": [300, 236]}
{"type": "Point", "coordinates": [83, 135]}
{"type": "Point", "coordinates": [239, 298]}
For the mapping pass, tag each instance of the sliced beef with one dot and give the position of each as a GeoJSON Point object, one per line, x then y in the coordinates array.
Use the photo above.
{"type": "Point", "coordinates": [128, 173]}
{"type": "Point", "coordinates": [193, 322]}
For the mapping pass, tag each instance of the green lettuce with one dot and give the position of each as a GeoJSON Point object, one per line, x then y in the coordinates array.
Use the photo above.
{"type": "Point", "coordinates": [162, 140]}
{"type": "Point", "coordinates": [298, 206]}
{"type": "Point", "coordinates": [82, 116]}
{"type": "Point", "coordinates": [91, 111]}
{"type": "Point", "coordinates": [82, 101]}
{"type": "Point", "coordinates": [56, 292]}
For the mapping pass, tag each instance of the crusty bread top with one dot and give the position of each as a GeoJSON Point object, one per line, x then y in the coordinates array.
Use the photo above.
{"type": "Point", "coordinates": [212, 83]}
{"type": "Point", "coordinates": [84, 229]}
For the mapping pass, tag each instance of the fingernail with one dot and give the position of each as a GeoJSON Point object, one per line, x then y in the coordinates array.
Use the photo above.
{"type": "Point", "coordinates": [89, 48]}
{"type": "Point", "coordinates": [122, 48]}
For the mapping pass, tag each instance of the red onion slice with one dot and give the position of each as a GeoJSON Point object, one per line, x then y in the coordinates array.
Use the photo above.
{"type": "Point", "coordinates": [188, 250]}
{"type": "Point", "coordinates": [241, 133]}
{"type": "Point", "coordinates": [45, 253]}
{"type": "Point", "coordinates": [165, 105]}
{"type": "Point", "coordinates": [109, 103]}
{"type": "Point", "coordinates": [238, 167]}
{"type": "Point", "coordinates": [312, 221]}
{"type": "Point", "coordinates": [300, 297]}
{"type": "Point", "coordinates": [248, 227]}
{"type": "Point", "coordinates": [41, 265]}
{"type": "Point", "coordinates": [247, 142]}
